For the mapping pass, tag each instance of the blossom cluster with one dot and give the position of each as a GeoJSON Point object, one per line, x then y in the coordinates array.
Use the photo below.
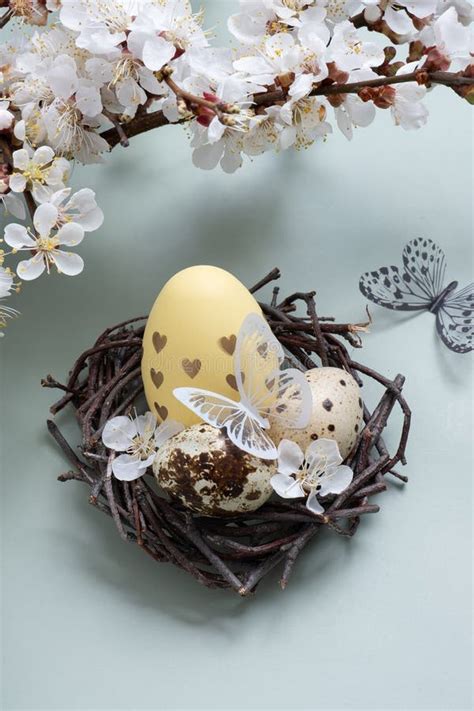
{"type": "Point", "coordinates": [93, 73]}
{"type": "Point", "coordinates": [316, 472]}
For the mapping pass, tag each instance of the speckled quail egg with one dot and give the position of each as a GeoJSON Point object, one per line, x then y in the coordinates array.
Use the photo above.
{"type": "Point", "coordinates": [336, 411]}
{"type": "Point", "coordinates": [202, 468]}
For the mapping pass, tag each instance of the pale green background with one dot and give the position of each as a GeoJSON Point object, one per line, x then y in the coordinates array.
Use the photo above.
{"type": "Point", "coordinates": [381, 622]}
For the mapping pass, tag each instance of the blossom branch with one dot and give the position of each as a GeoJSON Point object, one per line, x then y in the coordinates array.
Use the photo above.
{"type": "Point", "coordinates": [146, 122]}
{"type": "Point", "coordinates": [420, 77]}
{"type": "Point", "coordinates": [298, 70]}
{"type": "Point", "coordinates": [5, 18]}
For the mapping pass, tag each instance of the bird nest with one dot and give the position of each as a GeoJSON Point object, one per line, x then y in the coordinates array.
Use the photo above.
{"type": "Point", "coordinates": [234, 552]}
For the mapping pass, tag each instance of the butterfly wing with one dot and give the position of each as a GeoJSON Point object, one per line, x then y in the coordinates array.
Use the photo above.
{"type": "Point", "coordinates": [265, 389]}
{"type": "Point", "coordinates": [455, 320]}
{"type": "Point", "coordinates": [425, 262]}
{"type": "Point", "coordinates": [222, 412]}
{"type": "Point", "coordinates": [413, 287]}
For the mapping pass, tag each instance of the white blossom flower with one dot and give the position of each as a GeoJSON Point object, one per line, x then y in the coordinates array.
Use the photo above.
{"type": "Point", "coordinates": [101, 25]}
{"type": "Point", "coordinates": [161, 31]}
{"type": "Point", "coordinates": [340, 10]}
{"type": "Point", "coordinates": [259, 18]}
{"type": "Point", "coordinates": [317, 472]}
{"type": "Point", "coordinates": [395, 13]}
{"type": "Point", "coordinates": [250, 25]}
{"type": "Point", "coordinates": [302, 116]}
{"type": "Point", "coordinates": [139, 438]}
{"type": "Point", "coordinates": [70, 135]}
{"type": "Point", "coordinates": [127, 77]}
{"type": "Point", "coordinates": [464, 8]}
{"type": "Point", "coordinates": [407, 109]}
{"type": "Point", "coordinates": [349, 52]}
{"type": "Point", "coordinates": [353, 112]}
{"type": "Point", "coordinates": [312, 24]}
{"type": "Point", "coordinates": [68, 85]}
{"type": "Point", "coordinates": [80, 208]}
{"type": "Point", "coordinates": [220, 139]}
{"type": "Point", "coordinates": [280, 55]}
{"type": "Point", "coordinates": [38, 171]}
{"type": "Point", "coordinates": [452, 39]}
{"type": "Point", "coordinates": [31, 128]}
{"type": "Point", "coordinates": [6, 116]}
{"type": "Point", "coordinates": [45, 244]}
{"type": "Point", "coordinates": [264, 132]}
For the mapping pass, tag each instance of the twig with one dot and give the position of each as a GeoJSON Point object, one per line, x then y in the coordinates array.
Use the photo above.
{"type": "Point", "coordinates": [146, 122]}
{"type": "Point", "coordinates": [5, 18]}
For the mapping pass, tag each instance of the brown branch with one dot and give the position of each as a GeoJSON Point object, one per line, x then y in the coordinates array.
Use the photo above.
{"type": "Point", "coordinates": [146, 122]}
{"type": "Point", "coordinates": [5, 18]}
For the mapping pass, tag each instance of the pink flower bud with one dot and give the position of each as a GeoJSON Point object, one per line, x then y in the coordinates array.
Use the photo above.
{"type": "Point", "coordinates": [205, 116]}
{"type": "Point", "coordinates": [211, 97]}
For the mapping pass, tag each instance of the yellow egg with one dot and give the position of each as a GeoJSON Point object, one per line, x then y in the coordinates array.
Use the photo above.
{"type": "Point", "coordinates": [190, 338]}
{"type": "Point", "coordinates": [336, 411]}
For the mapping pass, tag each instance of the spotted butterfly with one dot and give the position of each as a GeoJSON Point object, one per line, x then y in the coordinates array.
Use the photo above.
{"type": "Point", "coordinates": [418, 286]}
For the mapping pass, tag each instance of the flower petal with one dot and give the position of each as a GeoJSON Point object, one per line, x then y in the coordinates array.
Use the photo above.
{"type": "Point", "coordinates": [286, 487]}
{"type": "Point", "coordinates": [20, 159]}
{"type": "Point", "coordinates": [146, 424]}
{"type": "Point", "coordinates": [30, 269]}
{"type": "Point", "coordinates": [290, 457]}
{"type": "Point", "coordinates": [70, 234]}
{"type": "Point", "coordinates": [14, 205]}
{"type": "Point", "coordinates": [43, 155]}
{"type": "Point", "coordinates": [118, 433]}
{"type": "Point", "coordinates": [327, 448]}
{"type": "Point", "coordinates": [17, 236]}
{"type": "Point", "coordinates": [208, 156]}
{"type": "Point", "coordinates": [157, 52]}
{"type": "Point", "coordinates": [45, 217]}
{"type": "Point", "coordinates": [67, 262]}
{"type": "Point", "coordinates": [398, 21]}
{"type": "Point", "coordinates": [313, 504]}
{"type": "Point", "coordinates": [41, 193]}
{"type": "Point", "coordinates": [17, 182]}
{"type": "Point", "coordinates": [215, 131]}
{"type": "Point", "coordinates": [58, 197]}
{"type": "Point", "coordinates": [127, 467]}
{"type": "Point", "coordinates": [336, 480]}
{"type": "Point", "coordinates": [91, 220]}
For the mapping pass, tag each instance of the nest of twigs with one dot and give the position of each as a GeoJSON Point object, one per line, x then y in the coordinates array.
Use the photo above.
{"type": "Point", "coordinates": [235, 552]}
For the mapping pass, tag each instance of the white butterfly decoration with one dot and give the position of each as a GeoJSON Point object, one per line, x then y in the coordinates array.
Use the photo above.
{"type": "Point", "coordinates": [267, 393]}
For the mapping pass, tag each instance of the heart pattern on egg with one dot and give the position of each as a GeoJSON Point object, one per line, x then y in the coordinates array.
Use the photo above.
{"type": "Point", "coordinates": [232, 382]}
{"type": "Point", "coordinates": [157, 377]}
{"type": "Point", "coordinates": [228, 343]}
{"type": "Point", "coordinates": [161, 411]}
{"type": "Point", "coordinates": [159, 341]}
{"type": "Point", "coordinates": [191, 367]}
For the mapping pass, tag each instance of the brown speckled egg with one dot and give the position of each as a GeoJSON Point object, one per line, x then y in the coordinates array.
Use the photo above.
{"type": "Point", "coordinates": [336, 412]}
{"type": "Point", "coordinates": [211, 476]}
